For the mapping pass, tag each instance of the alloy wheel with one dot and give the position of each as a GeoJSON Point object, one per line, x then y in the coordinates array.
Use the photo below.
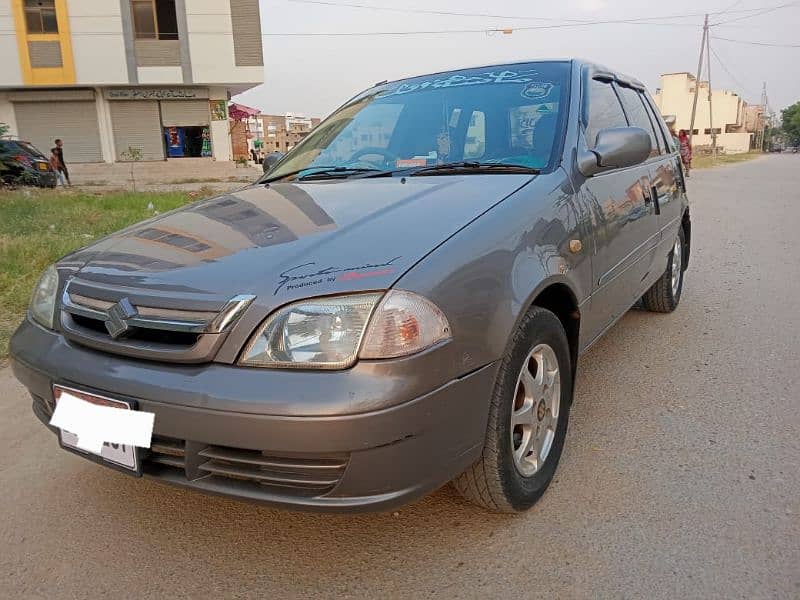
{"type": "Point", "coordinates": [677, 257]}
{"type": "Point", "coordinates": [534, 416]}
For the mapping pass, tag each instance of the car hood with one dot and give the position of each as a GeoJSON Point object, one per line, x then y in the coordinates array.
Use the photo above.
{"type": "Point", "coordinates": [287, 241]}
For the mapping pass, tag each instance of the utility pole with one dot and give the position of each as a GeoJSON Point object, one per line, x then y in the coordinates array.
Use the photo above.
{"type": "Point", "coordinates": [710, 96]}
{"type": "Point", "coordinates": [762, 118]}
{"type": "Point", "coordinates": [697, 80]}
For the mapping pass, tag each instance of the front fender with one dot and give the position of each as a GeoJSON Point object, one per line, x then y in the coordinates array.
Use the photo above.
{"type": "Point", "coordinates": [486, 276]}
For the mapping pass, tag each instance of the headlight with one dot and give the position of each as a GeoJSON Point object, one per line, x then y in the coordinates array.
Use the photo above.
{"type": "Point", "coordinates": [43, 302]}
{"type": "Point", "coordinates": [326, 333]}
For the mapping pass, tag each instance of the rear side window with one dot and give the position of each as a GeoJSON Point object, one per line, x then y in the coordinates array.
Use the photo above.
{"type": "Point", "coordinates": [604, 110]}
{"type": "Point", "coordinates": [637, 115]}
{"type": "Point", "coordinates": [658, 123]}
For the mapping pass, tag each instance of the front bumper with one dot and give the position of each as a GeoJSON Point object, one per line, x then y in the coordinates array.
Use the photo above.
{"type": "Point", "coordinates": [399, 450]}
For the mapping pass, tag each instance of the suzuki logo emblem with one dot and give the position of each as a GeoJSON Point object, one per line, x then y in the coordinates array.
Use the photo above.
{"type": "Point", "coordinates": [117, 318]}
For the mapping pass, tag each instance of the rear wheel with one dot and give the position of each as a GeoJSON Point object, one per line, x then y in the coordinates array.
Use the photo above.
{"type": "Point", "coordinates": [665, 294]}
{"type": "Point", "coordinates": [528, 419]}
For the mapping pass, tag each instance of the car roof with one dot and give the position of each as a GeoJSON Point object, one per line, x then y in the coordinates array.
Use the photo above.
{"type": "Point", "coordinates": [596, 70]}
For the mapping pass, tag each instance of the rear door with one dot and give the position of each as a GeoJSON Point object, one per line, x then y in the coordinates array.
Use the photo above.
{"type": "Point", "coordinates": [662, 178]}
{"type": "Point", "coordinates": [668, 182]}
{"type": "Point", "coordinates": [626, 226]}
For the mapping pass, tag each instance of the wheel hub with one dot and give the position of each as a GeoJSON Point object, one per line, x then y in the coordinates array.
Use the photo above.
{"type": "Point", "coordinates": [534, 415]}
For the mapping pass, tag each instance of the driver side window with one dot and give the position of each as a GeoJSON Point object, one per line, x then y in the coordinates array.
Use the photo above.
{"type": "Point", "coordinates": [604, 110]}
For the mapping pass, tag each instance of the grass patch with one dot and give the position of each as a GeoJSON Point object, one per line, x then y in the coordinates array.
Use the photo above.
{"type": "Point", "coordinates": [38, 227]}
{"type": "Point", "coordinates": [706, 162]}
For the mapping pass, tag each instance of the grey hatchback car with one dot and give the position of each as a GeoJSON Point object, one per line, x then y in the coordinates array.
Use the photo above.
{"type": "Point", "coordinates": [399, 302]}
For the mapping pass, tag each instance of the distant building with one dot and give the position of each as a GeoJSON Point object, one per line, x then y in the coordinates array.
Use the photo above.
{"type": "Point", "coordinates": [247, 130]}
{"type": "Point", "coordinates": [734, 121]}
{"type": "Point", "coordinates": [154, 75]}
{"type": "Point", "coordinates": [284, 132]}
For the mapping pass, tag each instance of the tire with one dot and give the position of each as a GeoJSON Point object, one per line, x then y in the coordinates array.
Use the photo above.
{"type": "Point", "coordinates": [502, 479]}
{"type": "Point", "coordinates": [665, 294]}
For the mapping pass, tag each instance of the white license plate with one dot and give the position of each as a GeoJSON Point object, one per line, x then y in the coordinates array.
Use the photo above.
{"type": "Point", "coordinates": [118, 454]}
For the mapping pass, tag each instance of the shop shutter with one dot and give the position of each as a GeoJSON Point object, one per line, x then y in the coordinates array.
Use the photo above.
{"type": "Point", "coordinates": [246, 24]}
{"type": "Point", "coordinates": [136, 124]}
{"type": "Point", "coordinates": [184, 113]}
{"type": "Point", "coordinates": [74, 122]}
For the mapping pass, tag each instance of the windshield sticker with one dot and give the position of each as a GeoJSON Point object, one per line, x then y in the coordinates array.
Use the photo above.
{"type": "Point", "coordinates": [402, 163]}
{"type": "Point", "coordinates": [537, 90]}
{"type": "Point", "coordinates": [492, 77]}
{"type": "Point", "coordinates": [307, 275]}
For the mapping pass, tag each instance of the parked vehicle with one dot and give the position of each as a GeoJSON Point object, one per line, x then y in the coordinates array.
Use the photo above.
{"type": "Point", "coordinates": [21, 163]}
{"type": "Point", "coordinates": [399, 302]}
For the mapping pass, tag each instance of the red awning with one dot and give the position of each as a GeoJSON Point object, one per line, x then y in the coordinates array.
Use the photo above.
{"type": "Point", "coordinates": [239, 112]}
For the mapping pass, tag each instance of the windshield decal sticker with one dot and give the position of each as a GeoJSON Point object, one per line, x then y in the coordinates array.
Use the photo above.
{"type": "Point", "coordinates": [306, 275]}
{"type": "Point", "coordinates": [505, 76]}
{"type": "Point", "coordinates": [537, 90]}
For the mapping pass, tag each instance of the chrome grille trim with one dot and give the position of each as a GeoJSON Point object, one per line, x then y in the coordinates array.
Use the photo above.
{"type": "Point", "coordinates": [148, 317]}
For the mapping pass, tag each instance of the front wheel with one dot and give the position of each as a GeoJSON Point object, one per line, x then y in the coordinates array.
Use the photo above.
{"type": "Point", "coordinates": [528, 418]}
{"type": "Point", "coordinates": [665, 294]}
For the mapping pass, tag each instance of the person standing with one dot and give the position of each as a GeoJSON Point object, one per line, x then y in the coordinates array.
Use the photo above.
{"type": "Point", "coordinates": [54, 164]}
{"type": "Point", "coordinates": [62, 166]}
{"type": "Point", "coordinates": [686, 151]}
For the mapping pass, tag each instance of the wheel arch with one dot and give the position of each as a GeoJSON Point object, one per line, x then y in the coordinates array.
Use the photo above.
{"type": "Point", "coordinates": [559, 298]}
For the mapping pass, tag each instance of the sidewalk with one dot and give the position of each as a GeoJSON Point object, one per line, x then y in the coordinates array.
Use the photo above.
{"type": "Point", "coordinates": [160, 175]}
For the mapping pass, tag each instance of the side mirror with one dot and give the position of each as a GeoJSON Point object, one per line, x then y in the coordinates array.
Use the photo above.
{"type": "Point", "coordinates": [616, 147]}
{"type": "Point", "coordinates": [271, 159]}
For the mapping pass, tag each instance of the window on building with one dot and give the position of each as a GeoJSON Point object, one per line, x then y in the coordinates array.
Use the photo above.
{"type": "Point", "coordinates": [604, 110]}
{"type": "Point", "coordinates": [694, 131]}
{"type": "Point", "coordinates": [154, 19]}
{"type": "Point", "coordinates": [40, 16]}
{"type": "Point", "coordinates": [708, 131]}
{"type": "Point", "coordinates": [637, 115]}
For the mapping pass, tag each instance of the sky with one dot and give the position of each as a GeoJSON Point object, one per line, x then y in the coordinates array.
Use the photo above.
{"type": "Point", "coordinates": [313, 75]}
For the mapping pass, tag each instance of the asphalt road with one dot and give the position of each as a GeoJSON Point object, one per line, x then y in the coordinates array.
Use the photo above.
{"type": "Point", "coordinates": [679, 478]}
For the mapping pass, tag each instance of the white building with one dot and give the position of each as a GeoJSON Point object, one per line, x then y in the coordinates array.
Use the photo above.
{"type": "Point", "coordinates": [675, 97]}
{"type": "Point", "coordinates": [108, 75]}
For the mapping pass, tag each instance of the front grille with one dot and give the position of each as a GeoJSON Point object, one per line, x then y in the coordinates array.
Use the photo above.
{"type": "Point", "coordinates": [297, 475]}
{"type": "Point", "coordinates": [126, 322]}
{"type": "Point", "coordinates": [139, 334]}
{"type": "Point", "coordinates": [168, 452]}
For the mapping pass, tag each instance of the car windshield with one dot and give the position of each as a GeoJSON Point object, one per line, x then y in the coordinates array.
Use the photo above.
{"type": "Point", "coordinates": [492, 115]}
{"type": "Point", "coordinates": [30, 149]}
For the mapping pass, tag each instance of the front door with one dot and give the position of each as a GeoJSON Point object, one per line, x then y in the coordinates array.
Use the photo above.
{"type": "Point", "coordinates": [626, 226]}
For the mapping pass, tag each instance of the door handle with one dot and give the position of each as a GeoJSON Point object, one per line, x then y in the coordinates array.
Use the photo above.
{"type": "Point", "coordinates": [654, 195]}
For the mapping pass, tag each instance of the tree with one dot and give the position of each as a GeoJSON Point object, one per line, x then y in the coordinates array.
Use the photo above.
{"type": "Point", "coordinates": [791, 123]}
{"type": "Point", "coordinates": [134, 155]}
{"type": "Point", "coordinates": [3, 129]}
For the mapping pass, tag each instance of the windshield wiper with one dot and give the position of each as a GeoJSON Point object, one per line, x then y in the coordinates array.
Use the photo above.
{"type": "Point", "coordinates": [322, 169]}
{"type": "Point", "coordinates": [474, 167]}
{"type": "Point", "coordinates": [337, 173]}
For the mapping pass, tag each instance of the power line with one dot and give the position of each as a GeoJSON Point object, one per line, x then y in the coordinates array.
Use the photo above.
{"type": "Point", "coordinates": [472, 14]}
{"type": "Point", "coordinates": [731, 7]}
{"type": "Point", "coordinates": [759, 12]}
{"type": "Point", "coordinates": [518, 17]}
{"type": "Point", "coordinates": [770, 44]}
{"type": "Point", "coordinates": [731, 75]}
